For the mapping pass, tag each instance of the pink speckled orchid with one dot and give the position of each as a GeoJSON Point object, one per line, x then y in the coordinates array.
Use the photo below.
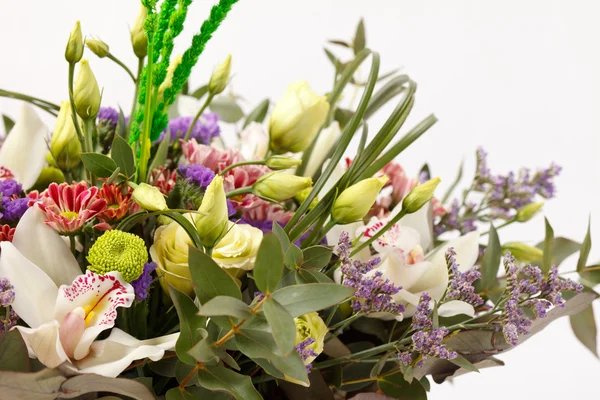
{"type": "Point", "coordinates": [66, 311]}
{"type": "Point", "coordinates": [68, 207]}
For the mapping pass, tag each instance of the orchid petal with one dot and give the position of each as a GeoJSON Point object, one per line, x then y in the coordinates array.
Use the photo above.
{"type": "Point", "coordinates": [44, 247]}
{"type": "Point", "coordinates": [402, 274]}
{"type": "Point", "coordinates": [466, 248]}
{"type": "Point", "coordinates": [99, 296]}
{"type": "Point", "coordinates": [113, 355]}
{"type": "Point", "coordinates": [456, 307]}
{"type": "Point", "coordinates": [421, 221]}
{"type": "Point", "coordinates": [43, 343]}
{"type": "Point", "coordinates": [24, 150]}
{"type": "Point", "coordinates": [35, 292]}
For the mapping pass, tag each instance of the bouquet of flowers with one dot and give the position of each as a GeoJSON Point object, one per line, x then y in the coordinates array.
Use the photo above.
{"type": "Point", "coordinates": [150, 255]}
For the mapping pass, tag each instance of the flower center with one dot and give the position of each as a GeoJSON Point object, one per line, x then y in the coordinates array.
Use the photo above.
{"type": "Point", "coordinates": [70, 215]}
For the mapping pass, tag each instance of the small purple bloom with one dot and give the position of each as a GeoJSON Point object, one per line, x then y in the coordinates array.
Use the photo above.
{"type": "Point", "coordinates": [306, 352]}
{"type": "Point", "coordinates": [405, 357]}
{"type": "Point", "coordinates": [421, 318]}
{"type": "Point", "coordinates": [198, 174]}
{"type": "Point", "coordinates": [108, 116]}
{"type": "Point", "coordinates": [204, 130]}
{"type": "Point", "coordinates": [430, 343]}
{"type": "Point", "coordinates": [461, 283]}
{"type": "Point", "coordinates": [142, 284]}
{"type": "Point", "coordinates": [13, 209]}
{"type": "Point", "coordinates": [10, 188]}
{"type": "Point", "coordinates": [7, 294]}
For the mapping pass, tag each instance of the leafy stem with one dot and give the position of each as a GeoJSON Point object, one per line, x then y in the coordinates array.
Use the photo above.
{"type": "Point", "coordinates": [198, 114]}
{"type": "Point", "coordinates": [122, 65]}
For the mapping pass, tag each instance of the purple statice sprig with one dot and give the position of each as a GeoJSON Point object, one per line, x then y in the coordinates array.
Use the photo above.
{"type": "Point", "coordinates": [421, 319]}
{"type": "Point", "coordinates": [197, 174]}
{"type": "Point", "coordinates": [13, 205]}
{"type": "Point", "coordinates": [428, 343]}
{"type": "Point", "coordinates": [205, 128]}
{"type": "Point", "coordinates": [306, 352]}
{"type": "Point", "coordinates": [141, 285]}
{"type": "Point", "coordinates": [7, 293]}
{"type": "Point", "coordinates": [461, 283]}
{"type": "Point", "coordinates": [373, 292]}
{"type": "Point", "coordinates": [8, 317]}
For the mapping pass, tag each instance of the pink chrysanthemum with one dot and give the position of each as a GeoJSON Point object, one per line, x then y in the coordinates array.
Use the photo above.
{"type": "Point", "coordinates": [164, 179]}
{"type": "Point", "coordinates": [118, 202]}
{"type": "Point", "coordinates": [6, 233]}
{"type": "Point", "coordinates": [68, 207]}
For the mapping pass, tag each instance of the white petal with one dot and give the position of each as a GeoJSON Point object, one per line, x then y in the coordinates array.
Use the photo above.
{"type": "Point", "coordinates": [421, 221]}
{"type": "Point", "coordinates": [44, 344]}
{"type": "Point", "coordinates": [111, 356]}
{"type": "Point", "coordinates": [466, 248]}
{"type": "Point", "coordinates": [254, 142]}
{"type": "Point", "coordinates": [335, 176]}
{"type": "Point", "coordinates": [326, 140]}
{"type": "Point", "coordinates": [35, 292]}
{"type": "Point", "coordinates": [44, 247]}
{"type": "Point", "coordinates": [24, 150]}
{"type": "Point", "coordinates": [187, 106]}
{"type": "Point", "coordinates": [455, 307]}
{"type": "Point", "coordinates": [405, 275]}
{"type": "Point", "coordinates": [99, 296]}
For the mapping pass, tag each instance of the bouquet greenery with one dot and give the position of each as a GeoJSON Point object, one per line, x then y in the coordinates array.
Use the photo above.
{"type": "Point", "coordinates": [146, 255]}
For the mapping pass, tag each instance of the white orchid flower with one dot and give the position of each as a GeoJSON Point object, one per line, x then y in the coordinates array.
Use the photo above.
{"type": "Point", "coordinates": [408, 260]}
{"type": "Point", "coordinates": [65, 310]}
{"type": "Point", "coordinates": [24, 150]}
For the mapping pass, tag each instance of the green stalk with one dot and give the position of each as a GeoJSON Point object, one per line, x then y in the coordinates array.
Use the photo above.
{"type": "Point", "coordinates": [144, 140]}
{"type": "Point", "coordinates": [198, 114]}
{"type": "Point", "coordinates": [237, 192]}
{"type": "Point", "coordinates": [43, 104]}
{"type": "Point", "coordinates": [89, 146]}
{"type": "Point", "coordinates": [73, 111]}
{"type": "Point", "coordinates": [122, 65]}
{"type": "Point", "coordinates": [136, 92]}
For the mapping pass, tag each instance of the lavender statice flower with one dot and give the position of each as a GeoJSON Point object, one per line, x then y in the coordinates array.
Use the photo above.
{"type": "Point", "coordinates": [198, 174]}
{"type": "Point", "coordinates": [430, 343]}
{"type": "Point", "coordinates": [532, 280]}
{"type": "Point", "coordinates": [306, 352]}
{"type": "Point", "coordinates": [421, 318]}
{"type": "Point", "coordinates": [555, 285]}
{"type": "Point", "coordinates": [8, 320]}
{"type": "Point", "coordinates": [13, 209]}
{"type": "Point", "coordinates": [514, 322]}
{"type": "Point", "coordinates": [7, 293]}
{"type": "Point", "coordinates": [405, 357]}
{"type": "Point", "coordinates": [142, 284]}
{"type": "Point", "coordinates": [108, 116]}
{"type": "Point", "coordinates": [204, 129]}
{"type": "Point", "coordinates": [258, 296]}
{"type": "Point", "coordinates": [461, 283]}
{"type": "Point", "coordinates": [373, 293]}
{"type": "Point", "coordinates": [10, 188]}
{"type": "Point", "coordinates": [107, 121]}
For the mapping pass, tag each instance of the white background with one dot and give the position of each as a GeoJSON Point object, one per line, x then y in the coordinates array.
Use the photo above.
{"type": "Point", "coordinates": [521, 78]}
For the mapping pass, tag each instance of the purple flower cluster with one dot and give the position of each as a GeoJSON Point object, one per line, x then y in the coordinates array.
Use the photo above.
{"type": "Point", "coordinates": [515, 322]}
{"type": "Point", "coordinates": [108, 117]}
{"type": "Point", "coordinates": [204, 129]}
{"type": "Point", "coordinates": [13, 207]}
{"type": "Point", "coordinates": [430, 343]}
{"type": "Point", "coordinates": [142, 284]}
{"type": "Point", "coordinates": [421, 318]}
{"type": "Point", "coordinates": [373, 293]}
{"type": "Point", "coordinates": [457, 218]}
{"type": "Point", "coordinates": [306, 352]}
{"type": "Point", "coordinates": [555, 285]}
{"type": "Point", "coordinates": [7, 294]}
{"type": "Point", "coordinates": [461, 283]}
{"type": "Point", "coordinates": [198, 174]}
{"type": "Point", "coordinates": [405, 357]}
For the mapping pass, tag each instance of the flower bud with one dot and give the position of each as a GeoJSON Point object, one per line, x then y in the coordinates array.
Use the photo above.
{"type": "Point", "coordinates": [149, 198]}
{"type": "Point", "coordinates": [282, 162]}
{"type": "Point", "coordinates": [419, 196]}
{"type": "Point", "coordinates": [300, 197]}
{"type": "Point", "coordinates": [87, 94]}
{"type": "Point", "coordinates": [356, 201]}
{"type": "Point", "coordinates": [220, 77]}
{"type": "Point", "coordinates": [170, 72]}
{"type": "Point", "coordinates": [74, 50]}
{"type": "Point", "coordinates": [212, 225]}
{"type": "Point", "coordinates": [280, 186]}
{"type": "Point", "coordinates": [523, 252]}
{"type": "Point", "coordinates": [65, 148]}
{"type": "Point", "coordinates": [529, 211]}
{"type": "Point", "coordinates": [297, 118]}
{"type": "Point", "coordinates": [139, 41]}
{"type": "Point", "coordinates": [98, 47]}
{"type": "Point", "coordinates": [47, 176]}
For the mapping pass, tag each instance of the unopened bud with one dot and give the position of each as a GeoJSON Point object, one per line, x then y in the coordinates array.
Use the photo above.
{"type": "Point", "coordinates": [139, 41]}
{"type": "Point", "coordinates": [529, 211]}
{"type": "Point", "coordinates": [280, 186]}
{"type": "Point", "coordinates": [98, 47]}
{"type": "Point", "coordinates": [356, 201]}
{"type": "Point", "coordinates": [149, 198]}
{"type": "Point", "coordinates": [213, 222]}
{"type": "Point", "coordinates": [282, 162]}
{"type": "Point", "coordinates": [300, 197]}
{"type": "Point", "coordinates": [419, 196]}
{"type": "Point", "coordinates": [65, 148]}
{"type": "Point", "coordinates": [218, 80]}
{"type": "Point", "coordinates": [523, 252]}
{"type": "Point", "coordinates": [87, 94]}
{"type": "Point", "coordinates": [74, 50]}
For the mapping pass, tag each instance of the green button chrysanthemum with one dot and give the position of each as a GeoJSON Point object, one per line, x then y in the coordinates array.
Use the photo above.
{"type": "Point", "coordinates": [118, 251]}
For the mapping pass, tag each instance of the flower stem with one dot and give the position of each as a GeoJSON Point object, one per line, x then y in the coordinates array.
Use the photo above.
{"type": "Point", "coordinates": [500, 226]}
{"type": "Point", "coordinates": [72, 102]}
{"type": "Point", "coordinates": [89, 145]}
{"type": "Point", "coordinates": [122, 65]}
{"type": "Point", "coordinates": [237, 192]}
{"type": "Point", "coordinates": [144, 141]}
{"type": "Point", "coordinates": [198, 114]}
{"type": "Point", "coordinates": [136, 92]}
{"type": "Point", "coordinates": [250, 162]}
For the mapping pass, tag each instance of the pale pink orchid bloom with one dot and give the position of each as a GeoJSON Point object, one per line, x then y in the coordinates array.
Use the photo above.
{"type": "Point", "coordinates": [65, 310]}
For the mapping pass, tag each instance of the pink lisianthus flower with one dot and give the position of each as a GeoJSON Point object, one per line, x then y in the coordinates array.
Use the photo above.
{"type": "Point", "coordinates": [262, 210]}
{"type": "Point", "coordinates": [69, 207]}
{"type": "Point", "coordinates": [243, 176]}
{"type": "Point", "coordinates": [401, 183]}
{"type": "Point", "coordinates": [210, 157]}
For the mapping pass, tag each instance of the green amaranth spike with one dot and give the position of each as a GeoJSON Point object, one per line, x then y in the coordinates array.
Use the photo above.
{"type": "Point", "coordinates": [118, 251]}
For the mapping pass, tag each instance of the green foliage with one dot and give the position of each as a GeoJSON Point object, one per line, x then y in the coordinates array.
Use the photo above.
{"type": "Point", "coordinates": [584, 327]}
{"type": "Point", "coordinates": [269, 264]}
{"type": "Point", "coordinates": [302, 299]}
{"type": "Point", "coordinates": [122, 155]}
{"type": "Point", "coordinates": [282, 325]}
{"type": "Point", "coordinates": [490, 262]}
{"type": "Point", "coordinates": [98, 164]}
{"type": "Point", "coordinates": [13, 352]}
{"type": "Point", "coordinates": [189, 325]}
{"type": "Point", "coordinates": [209, 279]}
{"type": "Point", "coordinates": [548, 247]}
{"type": "Point", "coordinates": [258, 114]}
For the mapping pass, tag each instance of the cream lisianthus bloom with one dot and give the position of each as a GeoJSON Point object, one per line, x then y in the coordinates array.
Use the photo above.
{"type": "Point", "coordinates": [310, 326]}
{"type": "Point", "coordinates": [66, 311]}
{"type": "Point", "coordinates": [24, 150]}
{"type": "Point", "coordinates": [238, 248]}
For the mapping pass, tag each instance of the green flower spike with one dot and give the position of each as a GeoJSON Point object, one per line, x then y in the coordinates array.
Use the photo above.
{"type": "Point", "coordinates": [118, 251]}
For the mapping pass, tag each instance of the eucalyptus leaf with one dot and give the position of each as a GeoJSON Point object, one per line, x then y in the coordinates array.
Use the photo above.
{"type": "Point", "coordinates": [225, 305]}
{"type": "Point", "coordinates": [206, 352]}
{"type": "Point", "coordinates": [282, 325]}
{"type": "Point", "coordinates": [491, 261]}
{"type": "Point", "coordinates": [189, 325]}
{"type": "Point", "coordinates": [227, 108]}
{"type": "Point", "coordinates": [220, 378]}
{"type": "Point", "coordinates": [584, 327]}
{"type": "Point", "coordinates": [160, 157]}
{"type": "Point", "coordinates": [200, 92]}
{"type": "Point", "coordinates": [122, 154]}
{"type": "Point", "coordinates": [396, 386]}
{"type": "Point", "coordinates": [316, 257]}
{"type": "Point", "coordinates": [209, 279]}
{"type": "Point", "coordinates": [120, 129]}
{"type": "Point", "coordinates": [98, 164]}
{"type": "Point", "coordinates": [586, 246]}
{"type": "Point", "coordinates": [268, 267]}
{"type": "Point", "coordinates": [304, 276]}
{"type": "Point", "coordinates": [360, 42]}
{"type": "Point", "coordinates": [282, 236]}
{"type": "Point", "coordinates": [258, 114]}
{"type": "Point", "coordinates": [302, 299]}
{"type": "Point", "coordinates": [561, 249]}
{"type": "Point", "coordinates": [548, 247]}
{"type": "Point", "coordinates": [293, 257]}
{"type": "Point", "coordinates": [13, 352]}
{"type": "Point", "coordinates": [340, 43]}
